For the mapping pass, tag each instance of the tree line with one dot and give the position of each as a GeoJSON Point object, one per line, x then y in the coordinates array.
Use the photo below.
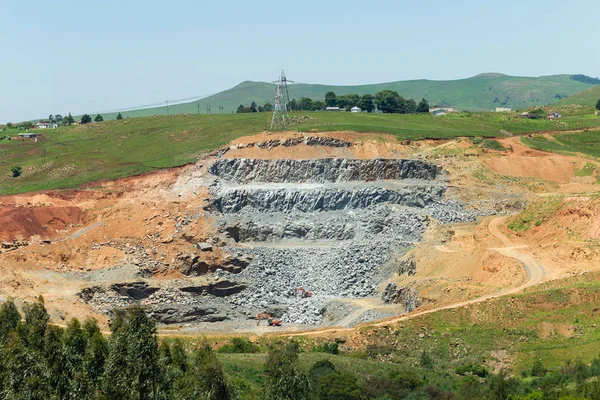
{"type": "Point", "coordinates": [39, 360]}
{"type": "Point", "coordinates": [386, 101]}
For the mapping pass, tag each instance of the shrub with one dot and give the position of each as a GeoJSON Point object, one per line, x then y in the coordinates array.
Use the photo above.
{"type": "Point", "coordinates": [16, 171]}
{"type": "Point", "coordinates": [327, 347]}
{"type": "Point", "coordinates": [239, 345]}
{"type": "Point", "coordinates": [339, 387]}
{"type": "Point", "coordinates": [538, 369]}
{"type": "Point", "coordinates": [477, 370]}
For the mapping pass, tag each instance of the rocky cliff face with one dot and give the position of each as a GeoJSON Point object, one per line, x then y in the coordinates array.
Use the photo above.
{"type": "Point", "coordinates": [323, 199]}
{"type": "Point", "coordinates": [322, 170]}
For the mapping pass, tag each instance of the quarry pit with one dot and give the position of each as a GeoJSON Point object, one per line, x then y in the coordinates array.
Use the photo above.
{"type": "Point", "coordinates": [206, 247]}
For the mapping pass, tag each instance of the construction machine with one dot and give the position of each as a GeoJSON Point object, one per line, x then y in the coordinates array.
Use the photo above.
{"type": "Point", "coordinates": [272, 321]}
{"type": "Point", "coordinates": [302, 292]}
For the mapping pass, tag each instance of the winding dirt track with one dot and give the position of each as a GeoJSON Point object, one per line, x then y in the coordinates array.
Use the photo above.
{"type": "Point", "coordinates": [534, 270]}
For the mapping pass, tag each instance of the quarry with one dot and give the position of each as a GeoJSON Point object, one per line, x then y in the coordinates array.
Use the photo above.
{"type": "Point", "coordinates": [315, 230]}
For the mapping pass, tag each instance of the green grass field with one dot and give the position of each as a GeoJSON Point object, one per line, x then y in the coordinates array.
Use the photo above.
{"type": "Point", "coordinates": [74, 155]}
{"type": "Point", "coordinates": [483, 92]}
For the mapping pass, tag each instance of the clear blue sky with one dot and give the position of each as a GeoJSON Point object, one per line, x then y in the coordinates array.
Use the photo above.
{"type": "Point", "coordinates": [92, 56]}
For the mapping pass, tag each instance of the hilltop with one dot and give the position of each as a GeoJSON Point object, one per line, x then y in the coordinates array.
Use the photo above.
{"type": "Point", "coordinates": [483, 92]}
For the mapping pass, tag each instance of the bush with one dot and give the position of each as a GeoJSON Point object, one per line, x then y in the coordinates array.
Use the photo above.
{"type": "Point", "coordinates": [339, 387]}
{"type": "Point", "coordinates": [16, 171]}
{"type": "Point", "coordinates": [239, 345]}
{"type": "Point", "coordinates": [327, 347]}
{"type": "Point", "coordinates": [477, 370]}
{"type": "Point", "coordinates": [538, 369]}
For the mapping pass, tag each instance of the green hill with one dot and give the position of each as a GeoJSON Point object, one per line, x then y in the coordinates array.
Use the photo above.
{"type": "Point", "coordinates": [479, 93]}
{"type": "Point", "coordinates": [586, 98]}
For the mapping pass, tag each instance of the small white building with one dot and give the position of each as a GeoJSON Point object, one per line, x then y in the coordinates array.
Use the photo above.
{"type": "Point", "coordinates": [438, 113]}
{"type": "Point", "coordinates": [503, 109]}
{"type": "Point", "coordinates": [332, 109]}
{"type": "Point", "coordinates": [447, 110]}
{"type": "Point", "coordinates": [45, 125]}
{"type": "Point", "coordinates": [355, 109]}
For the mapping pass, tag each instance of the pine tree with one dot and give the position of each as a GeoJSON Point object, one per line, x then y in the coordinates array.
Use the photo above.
{"type": "Point", "coordinates": [119, 116]}
{"type": "Point", "coordinates": [98, 118]}
{"type": "Point", "coordinates": [598, 105]}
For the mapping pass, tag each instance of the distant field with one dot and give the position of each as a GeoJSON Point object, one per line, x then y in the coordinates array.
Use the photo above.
{"type": "Point", "coordinates": [78, 154]}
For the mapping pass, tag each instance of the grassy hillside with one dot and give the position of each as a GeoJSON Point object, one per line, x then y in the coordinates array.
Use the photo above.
{"type": "Point", "coordinates": [478, 93]}
{"type": "Point", "coordinates": [586, 98]}
{"type": "Point", "coordinates": [78, 154]}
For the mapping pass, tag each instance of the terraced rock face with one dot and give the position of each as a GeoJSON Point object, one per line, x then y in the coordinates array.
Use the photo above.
{"type": "Point", "coordinates": [243, 170]}
{"type": "Point", "coordinates": [328, 225]}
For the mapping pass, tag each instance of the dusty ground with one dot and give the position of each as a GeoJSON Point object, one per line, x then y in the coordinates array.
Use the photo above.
{"type": "Point", "coordinates": [53, 239]}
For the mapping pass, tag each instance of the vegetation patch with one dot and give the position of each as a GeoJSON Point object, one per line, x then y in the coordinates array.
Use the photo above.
{"type": "Point", "coordinates": [491, 144]}
{"type": "Point", "coordinates": [587, 170]}
{"type": "Point", "coordinates": [537, 213]}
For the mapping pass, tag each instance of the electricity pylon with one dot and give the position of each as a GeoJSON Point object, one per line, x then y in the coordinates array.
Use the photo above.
{"type": "Point", "coordinates": [282, 103]}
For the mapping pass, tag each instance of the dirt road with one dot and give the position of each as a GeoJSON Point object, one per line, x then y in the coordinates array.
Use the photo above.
{"type": "Point", "coordinates": [534, 270]}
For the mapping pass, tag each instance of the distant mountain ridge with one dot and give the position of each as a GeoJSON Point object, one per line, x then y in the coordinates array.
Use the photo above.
{"type": "Point", "coordinates": [482, 92]}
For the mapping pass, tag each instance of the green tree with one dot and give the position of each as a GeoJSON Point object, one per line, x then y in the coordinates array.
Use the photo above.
{"type": "Point", "coordinates": [253, 107]}
{"type": "Point", "coordinates": [9, 125]}
{"type": "Point", "coordinates": [293, 105]}
{"type": "Point", "coordinates": [16, 171]}
{"type": "Point", "coordinates": [348, 101]}
{"type": "Point", "coordinates": [388, 101]}
{"type": "Point", "coordinates": [367, 103]}
{"type": "Point", "coordinates": [86, 119]}
{"type": "Point", "coordinates": [9, 318]}
{"type": "Point", "coordinates": [24, 373]}
{"type": "Point", "coordinates": [410, 107]}
{"type": "Point", "coordinates": [423, 107]}
{"type": "Point", "coordinates": [284, 378]}
{"type": "Point", "coordinates": [597, 106]}
{"type": "Point", "coordinates": [119, 116]}
{"type": "Point", "coordinates": [36, 321]}
{"type": "Point", "coordinates": [330, 99]}
{"type": "Point", "coordinates": [99, 118]}
{"type": "Point", "coordinates": [205, 378]}
{"type": "Point", "coordinates": [268, 107]}
{"type": "Point", "coordinates": [305, 104]}
{"type": "Point", "coordinates": [339, 387]}
{"type": "Point", "coordinates": [318, 105]}
{"type": "Point", "coordinates": [241, 109]}
{"type": "Point", "coordinates": [132, 368]}
{"type": "Point", "coordinates": [69, 120]}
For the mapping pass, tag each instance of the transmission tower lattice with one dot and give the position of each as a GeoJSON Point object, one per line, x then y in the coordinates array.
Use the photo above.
{"type": "Point", "coordinates": [282, 103]}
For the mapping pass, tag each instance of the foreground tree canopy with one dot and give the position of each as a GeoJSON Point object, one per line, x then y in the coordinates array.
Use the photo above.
{"type": "Point", "coordinates": [39, 360]}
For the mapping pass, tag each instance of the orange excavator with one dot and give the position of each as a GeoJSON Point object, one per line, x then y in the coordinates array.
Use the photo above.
{"type": "Point", "coordinates": [272, 321]}
{"type": "Point", "coordinates": [302, 292]}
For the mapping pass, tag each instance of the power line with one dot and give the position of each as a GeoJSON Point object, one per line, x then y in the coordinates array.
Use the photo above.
{"type": "Point", "coordinates": [208, 109]}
